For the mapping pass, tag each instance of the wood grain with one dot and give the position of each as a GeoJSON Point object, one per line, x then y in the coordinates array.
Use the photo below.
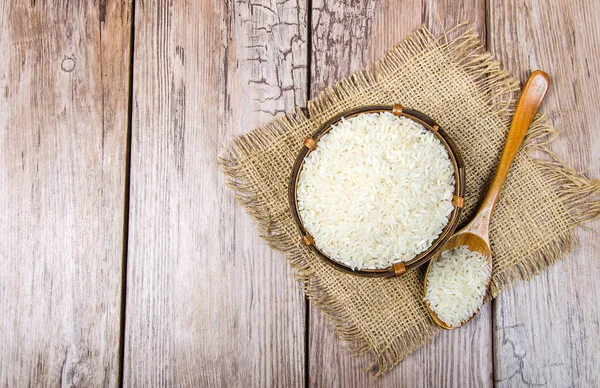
{"type": "Point", "coordinates": [347, 36]}
{"type": "Point", "coordinates": [64, 81]}
{"type": "Point", "coordinates": [546, 331]}
{"type": "Point", "coordinates": [208, 303]}
{"type": "Point", "coordinates": [440, 16]}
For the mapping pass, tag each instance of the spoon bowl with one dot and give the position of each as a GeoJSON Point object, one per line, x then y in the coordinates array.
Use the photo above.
{"type": "Point", "coordinates": [476, 235]}
{"type": "Point", "coordinates": [474, 243]}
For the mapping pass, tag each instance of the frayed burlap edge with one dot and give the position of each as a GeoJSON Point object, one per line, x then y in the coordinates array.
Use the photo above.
{"type": "Point", "coordinates": [574, 189]}
{"type": "Point", "coordinates": [577, 194]}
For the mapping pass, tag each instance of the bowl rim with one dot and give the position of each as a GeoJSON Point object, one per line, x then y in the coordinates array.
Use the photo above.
{"type": "Point", "coordinates": [459, 189]}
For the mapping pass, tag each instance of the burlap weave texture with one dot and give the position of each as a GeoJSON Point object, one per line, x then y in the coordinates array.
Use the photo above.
{"type": "Point", "coordinates": [464, 89]}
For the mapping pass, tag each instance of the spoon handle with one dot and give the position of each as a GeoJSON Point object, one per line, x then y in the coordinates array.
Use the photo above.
{"type": "Point", "coordinates": [530, 100]}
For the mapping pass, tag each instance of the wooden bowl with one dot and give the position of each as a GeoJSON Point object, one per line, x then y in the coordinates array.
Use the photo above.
{"type": "Point", "coordinates": [458, 201]}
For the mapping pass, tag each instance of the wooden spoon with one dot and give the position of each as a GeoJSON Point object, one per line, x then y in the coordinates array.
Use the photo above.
{"type": "Point", "coordinates": [476, 235]}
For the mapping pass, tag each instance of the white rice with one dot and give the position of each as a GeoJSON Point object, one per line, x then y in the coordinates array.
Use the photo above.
{"type": "Point", "coordinates": [376, 190]}
{"type": "Point", "coordinates": [456, 284]}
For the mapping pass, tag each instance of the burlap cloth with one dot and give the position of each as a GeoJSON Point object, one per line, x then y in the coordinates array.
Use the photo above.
{"type": "Point", "coordinates": [465, 91]}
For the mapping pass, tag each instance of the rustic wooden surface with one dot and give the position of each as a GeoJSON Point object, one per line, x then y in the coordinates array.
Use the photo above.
{"type": "Point", "coordinates": [546, 331]}
{"type": "Point", "coordinates": [207, 303]}
{"type": "Point", "coordinates": [63, 127]}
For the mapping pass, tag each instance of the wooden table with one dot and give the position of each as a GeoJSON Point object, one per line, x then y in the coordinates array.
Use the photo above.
{"type": "Point", "coordinates": [124, 258]}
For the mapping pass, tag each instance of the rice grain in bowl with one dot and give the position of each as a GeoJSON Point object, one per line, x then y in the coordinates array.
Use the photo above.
{"type": "Point", "coordinates": [378, 192]}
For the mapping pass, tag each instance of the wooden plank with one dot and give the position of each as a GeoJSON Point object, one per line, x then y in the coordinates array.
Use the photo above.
{"type": "Point", "coordinates": [64, 80]}
{"type": "Point", "coordinates": [440, 16]}
{"type": "Point", "coordinates": [208, 304]}
{"type": "Point", "coordinates": [546, 331]}
{"type": "Point", "coordinates": [346, 38]}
